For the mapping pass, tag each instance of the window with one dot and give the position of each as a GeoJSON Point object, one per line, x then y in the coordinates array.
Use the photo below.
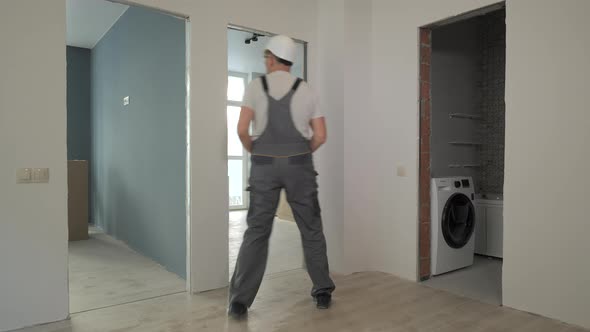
{"type": "Point", "coordinates": [237, 163]}
{"type": "Point", "coordinates": [235, 88]}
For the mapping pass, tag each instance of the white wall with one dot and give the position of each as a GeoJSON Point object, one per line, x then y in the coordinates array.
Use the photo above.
{"type": "Point", "coordinates": [33, 218]}
{"type": "Point", "coordinates": [34, 237]}
{"type": "Point", "coordinates": [360, 247]}
{"type": "Point", "coordinates": [330, 88]}
{"type": "Point", "coordinates": [546, 223]}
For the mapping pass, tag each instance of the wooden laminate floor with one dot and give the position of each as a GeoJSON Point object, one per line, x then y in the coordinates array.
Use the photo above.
{"type": "Point", "coordinates": [363, 302]}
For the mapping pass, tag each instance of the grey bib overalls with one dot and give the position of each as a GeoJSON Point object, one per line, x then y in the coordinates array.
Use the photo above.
{"type": "Point", "coordinates": [281, 158]}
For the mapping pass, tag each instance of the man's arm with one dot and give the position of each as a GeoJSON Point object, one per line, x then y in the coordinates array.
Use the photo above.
{"type": "Point", "coordinates": [246, 116]}
{"type": "Point", "coordinates": [318, 126]}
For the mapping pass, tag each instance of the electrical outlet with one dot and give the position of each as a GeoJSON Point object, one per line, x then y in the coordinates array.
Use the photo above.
{"type": "Point", "coordinates": [24, 175]}
{"type": "Point", "coordinates": [40, 175]}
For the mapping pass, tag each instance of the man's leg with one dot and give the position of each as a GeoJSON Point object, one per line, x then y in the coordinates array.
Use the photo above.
{"type": "Point", "coordinates": [302, 195]}
{"type": "Point", "coordinates": [251, 263]}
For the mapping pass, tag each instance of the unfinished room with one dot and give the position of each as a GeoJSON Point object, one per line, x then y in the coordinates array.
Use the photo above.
{"type": "Point", "coordinates": [439, 155]}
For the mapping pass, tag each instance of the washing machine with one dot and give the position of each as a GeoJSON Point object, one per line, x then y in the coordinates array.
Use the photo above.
{"type": "Point", "coordinates": [452, 224]}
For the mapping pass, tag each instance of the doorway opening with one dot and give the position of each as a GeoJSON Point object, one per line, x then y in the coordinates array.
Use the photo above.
{"type": "Point", "coordinates": [128, 156]}
{"type": "Point", "coordinates": [245, 64]}
{"type": "Point", "coordinates": [462, 121]}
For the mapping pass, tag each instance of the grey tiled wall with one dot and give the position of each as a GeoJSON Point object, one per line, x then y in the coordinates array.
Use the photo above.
{"type": "Point", "coordinates": [491, 153]}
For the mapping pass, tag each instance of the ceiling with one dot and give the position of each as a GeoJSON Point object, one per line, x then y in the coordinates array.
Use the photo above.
{"type": "Point", "coordinates": [89, 20]}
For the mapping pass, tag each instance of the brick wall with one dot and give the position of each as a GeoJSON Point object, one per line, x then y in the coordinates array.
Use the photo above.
{"type": "Point", "coordinates": [425, 106]}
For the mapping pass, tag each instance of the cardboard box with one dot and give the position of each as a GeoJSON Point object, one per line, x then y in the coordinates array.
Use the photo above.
{"type": "Point", "coordinates": [78, 200]}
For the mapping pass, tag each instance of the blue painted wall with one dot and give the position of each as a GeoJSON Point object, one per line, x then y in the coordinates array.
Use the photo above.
{"type": "Point", "coordinates": [139, 150]}
{"type": "Point", "coordinates": [78, 102]}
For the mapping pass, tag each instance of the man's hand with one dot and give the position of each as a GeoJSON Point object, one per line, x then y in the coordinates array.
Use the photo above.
{"type": "Point", "coordinates": [318, 126]}
{"type": "Point", "coordinates": [246, 116]}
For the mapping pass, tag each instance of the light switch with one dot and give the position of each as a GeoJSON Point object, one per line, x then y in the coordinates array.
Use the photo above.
{"type": "Point", "coordinates": [40, 175]}
{"type": "Point", "coordinates": [45, 175]}
{"type": "Point", "coordinates": [126, 101]}
{"type": "Point", "coordinates": [24, 175]}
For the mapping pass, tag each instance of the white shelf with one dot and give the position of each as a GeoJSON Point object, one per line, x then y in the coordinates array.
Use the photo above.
{"type": "Point", "coordinates": [465, 116]}
{"type": "Point", "coordinates": [472, 166]}
{"type": "Point", "coordinates": [464, 165]}
{"type": "Point", "coordinates": [465, 143]}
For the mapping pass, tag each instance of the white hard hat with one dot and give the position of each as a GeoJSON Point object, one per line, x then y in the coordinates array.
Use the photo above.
{"type": "Point", "coordinates": [282, 47]}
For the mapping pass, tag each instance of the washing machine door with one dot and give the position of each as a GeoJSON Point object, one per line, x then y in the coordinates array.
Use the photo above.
{"type": "Point", "coordinates": [458, 220]}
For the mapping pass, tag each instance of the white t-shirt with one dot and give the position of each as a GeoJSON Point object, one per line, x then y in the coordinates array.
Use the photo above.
{"type": "Point", "coordinates": [304, 105]}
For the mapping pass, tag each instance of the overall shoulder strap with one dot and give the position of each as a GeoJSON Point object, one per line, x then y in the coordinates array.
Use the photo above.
{"type": "Point", "coordinates": [264, 84]}
{"type": "Point", "coordinates": [297, 83]}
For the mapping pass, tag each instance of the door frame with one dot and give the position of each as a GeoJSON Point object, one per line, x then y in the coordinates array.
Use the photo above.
{"type": "Point", "coordinates": [188, 210]}
{"type": "Point", "coordinates": [425, 108]}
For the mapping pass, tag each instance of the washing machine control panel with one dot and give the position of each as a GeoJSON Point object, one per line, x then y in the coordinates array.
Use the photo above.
{"type": "Point", "coordinates": [462, 184]}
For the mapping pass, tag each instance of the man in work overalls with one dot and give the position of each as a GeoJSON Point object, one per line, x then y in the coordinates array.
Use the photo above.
{"type": "Point", "coordinates": [287, 129]}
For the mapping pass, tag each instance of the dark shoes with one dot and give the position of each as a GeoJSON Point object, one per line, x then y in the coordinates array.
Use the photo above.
{"type": "Point", "coordinates": [323, 301]}
{"type": "Point", "coordinates": [237, 310]}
